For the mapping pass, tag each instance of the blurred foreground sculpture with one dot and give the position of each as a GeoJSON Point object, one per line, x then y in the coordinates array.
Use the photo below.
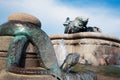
{"type": "Point", "coordinates": [27, 29]}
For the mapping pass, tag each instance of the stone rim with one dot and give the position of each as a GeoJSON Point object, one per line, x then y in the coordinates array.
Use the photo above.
{"type": "Point", "coordinates": [23, 17]}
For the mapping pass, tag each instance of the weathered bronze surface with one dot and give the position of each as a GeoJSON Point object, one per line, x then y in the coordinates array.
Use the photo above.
{"type": "Point", "coordinates": [24, 33]}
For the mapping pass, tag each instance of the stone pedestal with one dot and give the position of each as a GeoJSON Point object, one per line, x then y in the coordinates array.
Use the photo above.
{"type": "Point", "coordinates": [11, 76]}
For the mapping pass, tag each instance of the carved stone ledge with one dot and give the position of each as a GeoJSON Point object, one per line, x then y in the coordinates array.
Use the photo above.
{"type": "Point", "coordinates": [11, 76]}
{"type": "Point", "coordinates": [89, 45]}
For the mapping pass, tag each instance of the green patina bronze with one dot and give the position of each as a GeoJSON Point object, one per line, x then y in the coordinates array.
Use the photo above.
{"type": "Point", "coordinates": [25, 33]}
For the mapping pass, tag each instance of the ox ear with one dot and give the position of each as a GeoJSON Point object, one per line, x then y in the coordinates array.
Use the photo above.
{"type": "Point", "coordinates": [85, 19]}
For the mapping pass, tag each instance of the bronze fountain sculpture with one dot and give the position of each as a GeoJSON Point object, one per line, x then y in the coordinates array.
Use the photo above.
{"type": "Point", "coordinates": [78, 25]}
{"type": "Point", "coordinates": [26, 29]}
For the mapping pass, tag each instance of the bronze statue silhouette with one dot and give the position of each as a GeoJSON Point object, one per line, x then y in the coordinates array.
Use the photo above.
{"type": "Point", "coordinates": [78, 25]}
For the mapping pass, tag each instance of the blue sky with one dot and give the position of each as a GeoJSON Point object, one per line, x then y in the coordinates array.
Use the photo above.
{"type": "Point", "coordinates": [104, 14]}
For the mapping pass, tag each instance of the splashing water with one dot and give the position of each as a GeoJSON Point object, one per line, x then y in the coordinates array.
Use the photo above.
{"type": "Point", "coordinates": [61, 52]}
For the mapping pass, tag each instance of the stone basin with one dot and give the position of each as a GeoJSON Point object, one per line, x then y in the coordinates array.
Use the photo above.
{"type": "Point", "coordinates": [89, 45]}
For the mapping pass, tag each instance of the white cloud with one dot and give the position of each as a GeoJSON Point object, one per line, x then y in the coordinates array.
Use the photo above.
{"type": "Point", "coordinates": [53, 14]}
